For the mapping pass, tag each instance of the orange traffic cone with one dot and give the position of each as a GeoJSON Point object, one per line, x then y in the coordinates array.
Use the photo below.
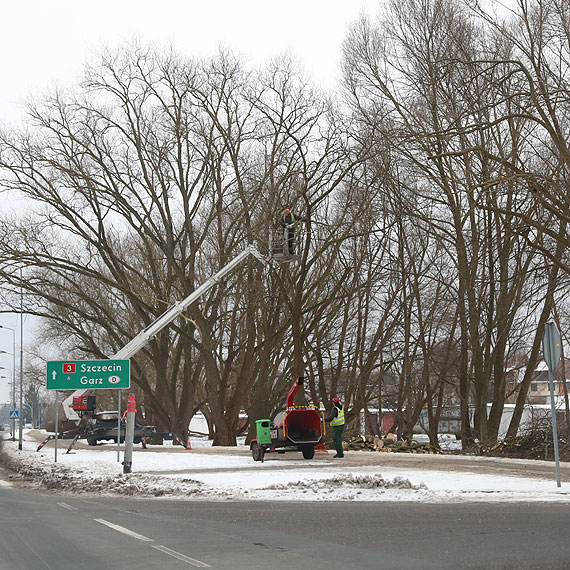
{"type": "Point", "coordinates": [188, 444]}
{"type": "Point", "coordinates": [321, 449]}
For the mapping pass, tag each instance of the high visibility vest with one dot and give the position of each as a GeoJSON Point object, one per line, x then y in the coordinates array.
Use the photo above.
{"type": "Point", "coordinates": [339, 420]}
{"type": "Point", "coordinates": [293, 220]}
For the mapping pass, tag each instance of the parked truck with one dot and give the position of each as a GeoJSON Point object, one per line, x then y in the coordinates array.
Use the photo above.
{"type": "Point", "coordinates": [96, 427]}
{"type": "Point", "coordinates": [103, 426]}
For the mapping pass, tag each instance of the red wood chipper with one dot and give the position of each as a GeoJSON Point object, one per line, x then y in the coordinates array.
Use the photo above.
{"type": "Point", "coordinates": [297, 428]}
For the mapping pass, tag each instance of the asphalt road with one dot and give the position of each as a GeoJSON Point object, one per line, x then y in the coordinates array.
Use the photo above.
{"type": "Point", "coordinates": [55, 531]}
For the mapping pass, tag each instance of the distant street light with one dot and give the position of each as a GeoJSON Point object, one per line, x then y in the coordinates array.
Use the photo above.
{"type": "Point", "coordinates": [13, 403]}
{"type": "Point", "coordinates": [2, 377]}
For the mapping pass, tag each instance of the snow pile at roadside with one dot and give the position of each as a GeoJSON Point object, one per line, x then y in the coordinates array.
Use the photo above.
{"type": "Point", "coordinates": [350, 487]}
{"type": "Point", "coordinates": [231, 474]}
{"type": "Point", "coordinates": [196, 475]}
{"type": "Point", "coordinates": [86, 472]}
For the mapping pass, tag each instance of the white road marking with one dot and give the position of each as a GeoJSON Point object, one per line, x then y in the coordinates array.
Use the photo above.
{"type": "Point", "coordinates": [124, 530]}
{"type": "Point", "coordinates": [182, 557]}
{"type": "Point", "coordinates": [159, 547]}
{"type": "Point", "coordinates": [66, 506]}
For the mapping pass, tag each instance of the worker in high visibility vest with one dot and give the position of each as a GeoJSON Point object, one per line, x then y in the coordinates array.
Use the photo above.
{"type": "Point", "coordinates": [288, 223]}
{"type": "Point", "coordinates": [336, 420]}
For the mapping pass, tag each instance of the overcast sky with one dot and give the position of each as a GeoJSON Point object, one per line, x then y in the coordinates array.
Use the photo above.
{"type": "Point", "coordinates": [46, 42]}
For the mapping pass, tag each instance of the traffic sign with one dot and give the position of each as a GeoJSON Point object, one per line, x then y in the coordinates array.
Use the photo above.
{"type": "Point", "coordinates": [551, 346]}
{"type": "Point", "coordinates": [552, 350]}
{"type": "Point", "coordinates": [88, 374]}
{"type": "Point", "coordinates": [14, 414]}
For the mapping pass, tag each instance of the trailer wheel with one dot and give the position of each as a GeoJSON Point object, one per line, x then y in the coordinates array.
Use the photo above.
{"type": "Point", "coordinates": [92, 441]}
{"type": "Point", "coordinates": [308, 451]}
{"type": "Point", "coordinates": [257, 452]}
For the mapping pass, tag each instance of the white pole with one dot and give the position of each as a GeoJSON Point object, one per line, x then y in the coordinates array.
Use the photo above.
{"type": "Point", "coordinates": [129, 434]}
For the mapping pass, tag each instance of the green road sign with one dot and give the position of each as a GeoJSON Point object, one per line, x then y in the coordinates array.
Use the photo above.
{"type": "Point", "coordinates": [89, 374]}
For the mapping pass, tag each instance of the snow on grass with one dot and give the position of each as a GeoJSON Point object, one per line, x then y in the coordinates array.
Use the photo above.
{"type": "Point", "coordinates": [231, 474]}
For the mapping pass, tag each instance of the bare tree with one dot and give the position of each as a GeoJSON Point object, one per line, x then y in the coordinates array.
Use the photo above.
{"type": "Point", "coordinates": [416, 79]}
{"type": "Point", "coordinates": [125, 182]}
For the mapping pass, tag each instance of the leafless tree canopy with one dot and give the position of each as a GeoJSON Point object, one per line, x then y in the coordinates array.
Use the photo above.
{"type": "Point", "coordinates": [434, 188]}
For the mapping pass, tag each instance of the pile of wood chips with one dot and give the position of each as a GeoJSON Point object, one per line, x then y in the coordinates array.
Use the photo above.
{"type": "Point", "coordinates": [388, 444]}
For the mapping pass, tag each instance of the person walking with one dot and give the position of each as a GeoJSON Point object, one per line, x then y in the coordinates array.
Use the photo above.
{"type": "Point", "coordinates": [336, 419]}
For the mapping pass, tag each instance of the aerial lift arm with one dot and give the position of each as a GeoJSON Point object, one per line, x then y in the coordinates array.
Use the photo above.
{"type": "Point", "coordinates": [139, 341]}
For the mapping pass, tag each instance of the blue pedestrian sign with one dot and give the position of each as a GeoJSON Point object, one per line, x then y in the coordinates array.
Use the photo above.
{"type": "Point", "coordinates": [14, 414]}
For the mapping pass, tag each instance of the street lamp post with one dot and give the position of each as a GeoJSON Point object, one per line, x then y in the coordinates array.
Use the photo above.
{"type": "Point", "coordinates": [13, 404]}
{"type": "Point", "coordinates": [20, 437]}
{"type": "Point", "coordinates": [9, 390]}
{"type": "Point", "coordinates": [21, 430]}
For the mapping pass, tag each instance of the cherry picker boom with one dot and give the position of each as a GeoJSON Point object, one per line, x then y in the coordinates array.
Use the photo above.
{"type": "Point", "coordinates": [139, 341]}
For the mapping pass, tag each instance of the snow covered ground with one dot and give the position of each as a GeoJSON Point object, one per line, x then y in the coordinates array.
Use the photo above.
{"type": "Point", "coordinates": [211, 473]}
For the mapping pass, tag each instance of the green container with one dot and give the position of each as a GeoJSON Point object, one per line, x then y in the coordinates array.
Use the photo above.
{"type": "Point", "coordinates": [263, 431]}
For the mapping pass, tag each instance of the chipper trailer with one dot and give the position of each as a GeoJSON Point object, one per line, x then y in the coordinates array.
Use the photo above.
{"type": "Point", "coordinates": [298, 428]}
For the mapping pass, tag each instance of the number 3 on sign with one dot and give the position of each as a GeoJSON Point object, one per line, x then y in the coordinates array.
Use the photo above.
{"type": "Point", "coordinates": [69, 368]}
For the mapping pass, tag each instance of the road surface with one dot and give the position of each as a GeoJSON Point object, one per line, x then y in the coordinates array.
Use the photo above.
{"type": "Point", "coordinates": [59, 532]}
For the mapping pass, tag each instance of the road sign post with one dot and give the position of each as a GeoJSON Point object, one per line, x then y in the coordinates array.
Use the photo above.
{"type": "Point", "coordinates": [552, 349]}
{"type": "Point", "coordinates": [56, 425]}
{"type": "Point", "coordinates": [88, 374]}
{"type": "Point", "coordinates": [118, 426]}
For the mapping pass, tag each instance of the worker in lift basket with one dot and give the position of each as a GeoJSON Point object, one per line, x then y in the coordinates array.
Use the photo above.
{"type": "Point", "coordinates": [336, 419]}
{"type": "Point", "coordinates": [288, 222]}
